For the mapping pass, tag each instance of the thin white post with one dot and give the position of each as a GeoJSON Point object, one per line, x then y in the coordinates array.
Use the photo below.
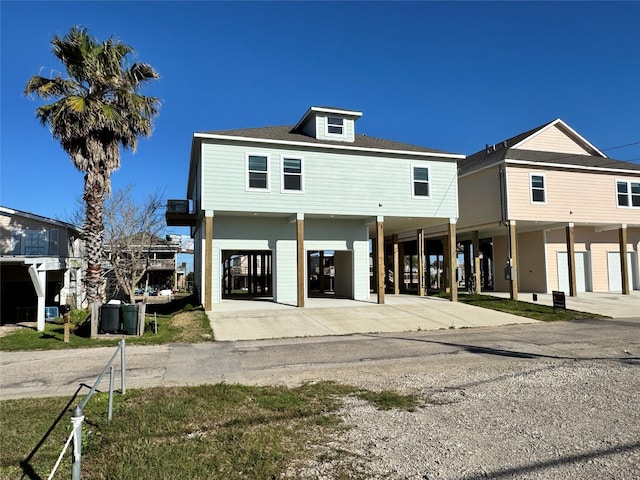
{"type": "Point", "coordinates": [76, 421]}
{"type": "Point", "coordinates": [123, 367]}
{"type": "Point", "coordinates": [111, 378]}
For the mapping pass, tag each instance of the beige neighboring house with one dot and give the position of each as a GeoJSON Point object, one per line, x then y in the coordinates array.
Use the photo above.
{"type": "Point", "coordinates": [548, 211]}
{"type": "Point", "coordinates": [40, 266]}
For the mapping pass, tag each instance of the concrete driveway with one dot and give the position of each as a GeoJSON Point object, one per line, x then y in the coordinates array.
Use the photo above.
{"type": "Point", "coordinates": [255, 319]}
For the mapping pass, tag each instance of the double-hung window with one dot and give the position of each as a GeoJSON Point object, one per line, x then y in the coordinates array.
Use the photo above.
{"type": "Point", "coordinates": [292, 174]}
{"type": "Point", "coordinates": [628, 193]}
{"type": "Point", "coordinates": [538, 187]}
{"type": "Point", "coordinates": [420, 181]}
{"type": "Point", "coordinates": [257, 172]}
{"type": "Point", "coordinates": [335, 125]}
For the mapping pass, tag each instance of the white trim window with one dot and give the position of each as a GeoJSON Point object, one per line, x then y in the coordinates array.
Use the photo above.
{"type": "Point", "coordinates": [257, 172]}
{"type": "Point", "coordinates": [538, 185]}
{"type": "Point", "coordinates": [420, 181]}
{"type": "Point", "coordinates": [292, 174]}
{"type": "Point", "coordinates": [628, 194]}
{"type": "Point", "coordinates": [335, 126]}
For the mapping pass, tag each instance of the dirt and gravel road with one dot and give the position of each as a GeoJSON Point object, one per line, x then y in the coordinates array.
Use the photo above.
{"type": "Point", "coordinates": [554, 401]}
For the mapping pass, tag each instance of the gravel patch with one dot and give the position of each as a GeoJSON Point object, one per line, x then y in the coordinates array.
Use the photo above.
{"type": "Point", "coordinates": [533, 419]}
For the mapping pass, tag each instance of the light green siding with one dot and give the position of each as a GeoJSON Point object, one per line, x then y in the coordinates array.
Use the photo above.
{"type": "Point", "coordinates": [334, 183]}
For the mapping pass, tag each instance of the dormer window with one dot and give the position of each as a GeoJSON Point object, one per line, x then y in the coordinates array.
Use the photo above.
{"type": "Point", "coordinates": [335, 125]}
{"type": "Point", "coordinates": [327, 123]}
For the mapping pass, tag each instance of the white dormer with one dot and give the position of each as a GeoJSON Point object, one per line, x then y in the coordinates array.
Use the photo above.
{"type": "Point", "coordinates": [326, 123]}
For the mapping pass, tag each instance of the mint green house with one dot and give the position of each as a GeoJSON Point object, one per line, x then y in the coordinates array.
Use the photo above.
{"type": "Point", "coordinates": [274, 211]}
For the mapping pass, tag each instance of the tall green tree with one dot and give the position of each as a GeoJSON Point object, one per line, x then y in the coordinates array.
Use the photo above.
{"type": "Point", "coordinates": [96, 109]}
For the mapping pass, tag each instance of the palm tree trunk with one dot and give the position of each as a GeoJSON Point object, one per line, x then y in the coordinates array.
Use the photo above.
{"type": "Point", "coordinates": [94, 236]}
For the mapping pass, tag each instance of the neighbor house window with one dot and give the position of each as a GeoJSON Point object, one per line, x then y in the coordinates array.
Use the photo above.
{"type": "Point", "coordinates": [257, 172]}
{"type": "Point", "coordinates": [39, 242]}
{"type": "Point", "coordinates": [292, 174]}
{"type": "Point", "coordinates": [628, 194]}
{"type": "Point", "coordinates": [335, 125]}
{"type": "Point", "coordinates": [420, 180]}
{"type": "Point", "coordinates": [538, 189]}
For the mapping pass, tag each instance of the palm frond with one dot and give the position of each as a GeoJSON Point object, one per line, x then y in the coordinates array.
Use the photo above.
{"type": "Point", "coordinates": [77, 104]}
{"type": "Point", "coordinates": [141, 73]}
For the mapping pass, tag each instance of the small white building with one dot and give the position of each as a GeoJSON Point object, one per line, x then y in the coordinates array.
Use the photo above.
{"type": "Point", "coordinates": [279, 196]}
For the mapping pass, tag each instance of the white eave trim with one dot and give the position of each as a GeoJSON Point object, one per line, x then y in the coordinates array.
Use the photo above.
{"type": "Point", "coordinates": [326, 146]}
{"type": "Point", "coordinates": [354, 115]}
{"type": "Point", "coordinates": [573, 167]}
{"type": "Point", "coordinates": [564, 125]}
{"type": "Point", "coordinates": [336, 111]}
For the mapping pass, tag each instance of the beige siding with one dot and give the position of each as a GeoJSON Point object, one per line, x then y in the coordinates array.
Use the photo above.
{"type": "Point", "coordinates": [500, 255]}
{"type": "Point", "coordinates": [5, 238]}
{"type": "Point", "coordinates": [557, 242]}
{"type": "Point", "coordinates": [531, 262]}
{"type": "Point", "coordinates": [479, 197]}
{"type": "Point", "coordinates": [571, 196]}
{"type": "Point", "coordinates": [553, 140]}
{"type": "Point", "coordinates": [532, 275]}
{"type": "Point", "coordinates": [14, 225]}
{"type": "Point", "coordinates": [596, 244]}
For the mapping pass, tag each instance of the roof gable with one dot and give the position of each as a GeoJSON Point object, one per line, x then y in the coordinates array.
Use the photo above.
{"type": "Point", "coordinates": [553, 143]}
{"type": "Point", "coordinates": [557, 137]}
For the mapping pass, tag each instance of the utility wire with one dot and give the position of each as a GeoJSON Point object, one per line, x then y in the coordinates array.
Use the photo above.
{"type": "Point", "coordinates": [621, 146]}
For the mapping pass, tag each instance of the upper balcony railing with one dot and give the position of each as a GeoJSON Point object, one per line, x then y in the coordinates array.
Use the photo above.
{"type": "Point", "coordinates": [179, 215]}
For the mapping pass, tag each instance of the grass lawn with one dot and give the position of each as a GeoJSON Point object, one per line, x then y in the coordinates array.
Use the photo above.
{"type": "Point", "coordinates": [184, 324]}
{"type": "Point", "coordinates": [524, 309]}
{"type": "Point", "coordinates": [204, 432]}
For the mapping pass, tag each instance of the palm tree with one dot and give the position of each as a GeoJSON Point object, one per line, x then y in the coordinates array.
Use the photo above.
{"type": "Point", "coordinates": [95, 110]}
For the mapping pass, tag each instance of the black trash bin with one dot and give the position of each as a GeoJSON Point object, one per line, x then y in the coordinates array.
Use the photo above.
{"type": "Point", "coordinates": [110, 318]}
{"type": "Point", "coordinates": [130, 319]}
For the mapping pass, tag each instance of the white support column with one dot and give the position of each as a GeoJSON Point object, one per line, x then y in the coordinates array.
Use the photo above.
{"type": "Point", "coordinates": [78, 288]}
{"type": "Point", "coordinates": [39, 280]}
{"type": "Point", "coordinates": [65, 292]}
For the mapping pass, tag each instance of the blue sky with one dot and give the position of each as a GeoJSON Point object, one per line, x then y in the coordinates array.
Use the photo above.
{"type": "Point", "coordinates": [452, 76]}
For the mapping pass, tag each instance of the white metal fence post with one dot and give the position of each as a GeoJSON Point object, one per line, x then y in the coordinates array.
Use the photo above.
{"type": "Point", "coordinates": [76, 420]}
{"type": "Point", "coordinates": [123, 367]}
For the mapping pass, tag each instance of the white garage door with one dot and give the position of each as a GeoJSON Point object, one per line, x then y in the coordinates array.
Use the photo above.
{"type": "Point", "coordinates": [582, 272]}
{"type": "Point", "coordinates": [615, 278]}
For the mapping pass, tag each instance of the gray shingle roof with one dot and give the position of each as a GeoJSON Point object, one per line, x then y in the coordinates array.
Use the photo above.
{"type": "Point", "coordinates": [574, 160]}
{"type": "Point", "coordinates": [287, 134]}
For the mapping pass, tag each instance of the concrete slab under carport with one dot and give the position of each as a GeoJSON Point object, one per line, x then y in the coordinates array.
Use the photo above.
{"type": "Point", "coordinates": [234, 320]}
